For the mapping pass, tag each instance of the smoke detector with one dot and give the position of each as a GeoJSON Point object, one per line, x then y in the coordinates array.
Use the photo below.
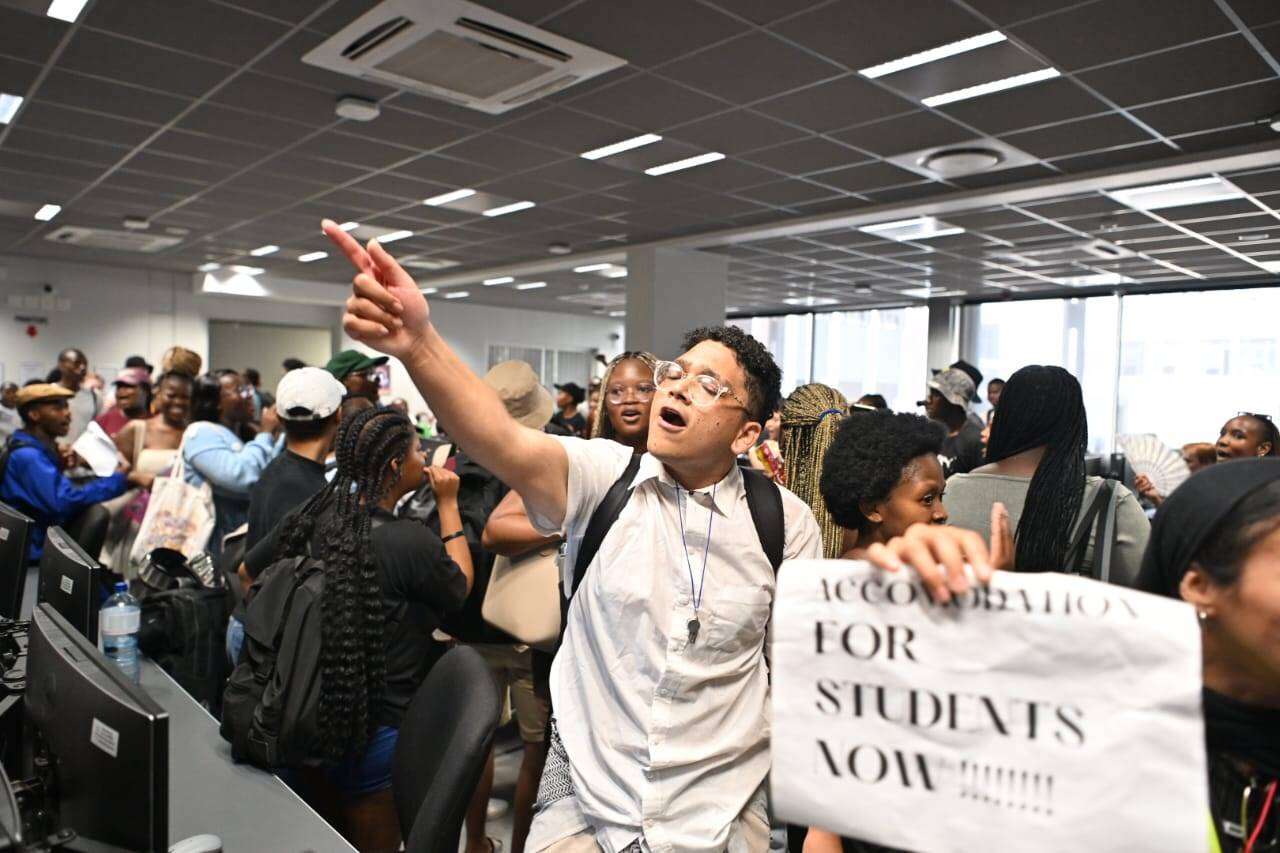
{"type": "Point", "coordinates": [953, 162]}
{"type": "Point", "coordinates": [357, 109]}
{"type": "Point", "coordinates": [559, 248]}
{"type": "Point", "coordinates": [459, 52]}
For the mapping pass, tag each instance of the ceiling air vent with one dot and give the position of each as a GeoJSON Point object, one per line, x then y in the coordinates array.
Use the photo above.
{"type": "Point", "coordinates": [458, 52]}
{"type": "Point", "coordinates": [119, 241]}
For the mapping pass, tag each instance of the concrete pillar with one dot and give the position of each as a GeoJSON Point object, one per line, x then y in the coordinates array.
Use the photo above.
{"type": "Point", "coordinates": [669, 292]}
{"type": "Point", "coordinates": [944, 333]}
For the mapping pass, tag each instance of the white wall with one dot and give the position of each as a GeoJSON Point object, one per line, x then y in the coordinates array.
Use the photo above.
{"type": "Point", "coordinates": [470, 329]}
{"type": "Point", "coordinates": [117, 312]}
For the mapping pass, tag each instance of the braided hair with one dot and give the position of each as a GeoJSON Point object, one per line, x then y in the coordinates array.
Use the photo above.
{"type": "Point", "coordinates": [811, 416]}
{"type": "Point", "coordinates": [1270, 433]}
{"type": "Point", "coordinates": [1042, 406]}
{"type": "Point", "coordinates": [601, 426]}
{"type": "Point", "coordinates": [339, 521]}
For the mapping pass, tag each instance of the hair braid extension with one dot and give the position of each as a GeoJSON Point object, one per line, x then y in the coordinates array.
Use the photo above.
{"type": "Point", "coordinates": [1042, 406]}
{"type": "Point", "coordinates": [339, 521]}
{"type": "Point", "coordinates": [601, 426]}
{"type": "Point", "coordinates": [811, 416]}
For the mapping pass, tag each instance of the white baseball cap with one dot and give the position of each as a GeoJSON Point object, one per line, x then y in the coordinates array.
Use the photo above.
{"type": "Point", "coordinates": [308, 394]}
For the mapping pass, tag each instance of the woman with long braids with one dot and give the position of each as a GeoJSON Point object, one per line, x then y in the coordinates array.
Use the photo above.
{"type": "Point", "coordinates": [1035, 467]}
{"type": "Point", "coordinates": [811, 417]}
{"type": "Point", "coordinates": [387, 581]}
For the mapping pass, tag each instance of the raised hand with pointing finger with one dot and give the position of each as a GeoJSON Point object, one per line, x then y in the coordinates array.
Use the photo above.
{"type": "Point", "coordinates": [386, 310]}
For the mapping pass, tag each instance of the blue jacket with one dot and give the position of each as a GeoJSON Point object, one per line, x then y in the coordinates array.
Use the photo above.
{"type": "Point", "coordinates": [34, 484]}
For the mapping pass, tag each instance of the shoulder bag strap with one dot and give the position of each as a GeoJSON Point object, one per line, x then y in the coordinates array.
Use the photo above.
{"type": "Point", "coordinates": [602, 519]}
{"type": "Point", "coordinates": [764, 499]}
{"type": "Point", "coordinates": [1104, 537]}
{"type": "Point", "coordinates": [1073, 563]}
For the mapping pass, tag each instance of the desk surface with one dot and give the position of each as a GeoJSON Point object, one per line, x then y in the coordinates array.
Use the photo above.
{"type": "Point", "coordinates": [208, 793]}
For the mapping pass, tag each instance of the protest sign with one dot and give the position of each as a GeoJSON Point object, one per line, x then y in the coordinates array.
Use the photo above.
{"type": "Point", "coordinates": [1046, 712]}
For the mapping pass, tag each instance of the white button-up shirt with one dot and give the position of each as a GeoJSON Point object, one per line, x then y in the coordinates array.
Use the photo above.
{"type": "Point", "coordinates": [666, 740]}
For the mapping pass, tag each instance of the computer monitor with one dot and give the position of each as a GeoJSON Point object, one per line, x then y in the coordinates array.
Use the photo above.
{"type": "Point", "coordinates": [70, 580]}
{"type": "Point", "coordinates": [15, 536]}
{"type": "Point", "coordinates": [10, 815]}
{"type": "Point", "coordinates": [107, 741]}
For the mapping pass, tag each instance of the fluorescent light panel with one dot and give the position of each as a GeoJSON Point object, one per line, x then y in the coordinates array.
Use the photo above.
{"type": "Point", "coordinates": [247, 270]}
{"type": "Point", "coordinates": [1094, 279]}
{"type": "Point", "coordinates": [619, 147]}
{"type": "Point", "coordinates": [531, 285]}
{"type": "Point", "coordinates": [1178, 193]}
{"type": "Point", "coordinates": [502, 279]}
{"type": "Point", "coordinates": [237, 285]}
{"type": "Point", "coordinates": [312, 256]}
{"type": "Point", "coordinates": [427, 291]}
{"type": "Point", "coordinates": [919, 228]}
{"type": "Point", "coordinates": [9, 106]}
{"type": "Point", "coordinates": [446, 198]}
{"type": "Point", "coordinates": [811, 301]}
{"type": "Point", "coordinates": [47, 212]}
{"type": "Point", "coordinates": [509, 208]}
{"type": "Point", "coordinates": [348, 226]}
{"type": "Point", "coordinates": [66, 10]}
{"type": "Point", "coordinates": [933, 55]}
{"type": "Point", "coordinates": [457, 294]}
{"type": "Point", "coordinates": [263, 251]}
{"type": "Point", "coordinates": [687, 163]}
{"type": "Point", "coordinates": [209, 267]}
{"type": "Point", "coordinates": [994, 86]}
{"type": "Point", "coordinates": [617, 272]}
{"type": "Point", "coordinates": [394, 236]}
{"type": "Point", "coordinates": [592, 268]}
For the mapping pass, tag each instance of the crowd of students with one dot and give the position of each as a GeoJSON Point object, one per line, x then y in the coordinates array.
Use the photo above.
{"type": "Point", "coordinates": [675, 499]}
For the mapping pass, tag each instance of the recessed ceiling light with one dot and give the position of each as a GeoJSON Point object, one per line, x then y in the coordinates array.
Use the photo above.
{"type": "Point", "coordinates": [427, 291]}
{"type": "Point", "coordinates": [687, 163]}
{"type": "Point", "coordinates": [503, 279]}
{"type": "Point", "coordinates": [247, 270]}
{"type": "Point", "coordinates": [312, 256]}
{"type": "Point", "coordinates": [531, 285]}
{"type": "Point", "coordinates": [617, 313]}
{"type": "Point", "coordinates": [209, 267]}
{"type": "Point", "coordinates": [456, 195]}
{"type": "Point", "coordinates": [509, 208]}
{"type": "Point", "coordinates": [457, 294]}
{"type": "Point", "coordinates": [994, 86]}
{"type": "Point", "coordinates": [9, 105]}
{"type": "Point", "coordinates": [592, 268]}
{"type": "Point", "coordinates": [66, 10]}
{"type": "Point", "coordinates": [933, 54]}
{"type": "Point", "coordinates": [1094, 279]}
{"type": "Point", "coordinates": [619, 147]}
{"type": "Point", "coordinates": [616, 272]}
{"type": "Point", "coordinates": [348, 226]}
{"type": "Point", "coordinates": [919, 228]}
{"type": "Point", "coordinates": [47, 212]}
{"type": "Point", "coordinates": [1177, 194]}
{"type": "Point", "coordinates": [810, 301]}
{"type": "Point", "coordinates": [1252, 238]}
{"type": "Point", "coordinates": [263, 251]}
{"type": "Point", "coordinates": [394, 236]}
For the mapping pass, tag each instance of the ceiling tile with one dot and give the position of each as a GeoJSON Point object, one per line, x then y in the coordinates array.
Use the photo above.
{"type": "Point", "coordinates": [735, 132]}
{"type": "Point", "coordinates": [447, 171]}
{"type": "Point", "coordinates": [1242, 104]}
{"type": "Point", "coordinates": [41, 115]}
{"type": "Point", "coordinates": [279, 98]}
{"type": "Point", "coordinates": [1210, 65]}
{"type": "Point", "coordinates": [644, 34]}
{"type": "Point", "coordinates": [1215, 139]}
{"type": "Point", "coordinates": [725, 175]}
{"type": "Point", "coordinates": [835, 104]}
{"type": "Point", "coordinates": [198, 147]}
{"type": "Point", "coordinates": [1010, 11]}
{"type": "Point", "coordinates": [750, 68]}
{"type": "Point", "coordinates": [1027, 106]}
{"type": "Point", "coordinates": [502, 153]}
{"type": "Point", "coordinates": [212, 120]}
{"type": "Point", "coordinates": [1106, 32]}
{"type": "Point", "coordinates": [18, 75]}
{"type": "Point", "coordinates": [884, 30]}
{"type": "Point", "coordinates": [330, 21]}
{"type": "Point", "coordinates": [286, 62]}
{"type": "Point", "coordinates": [868, 176]}
{"type": "Point", "coordinates": [30, 37]}
{"type": "Point", "coordinates": [131, 62]}
{"type": "Point", "coordinates": [806, 155]}
{"type": "Point", "coordinates": [88, 93]}
{"type": "Point", "coordinates": [1255, 13]}
{"type": "Point", "coordinates": [1090, 134]}
{"type": "Point", "coordinates": [647, 103]}
{"type": "Point", "coordinates": [195, 27]}
{"type": "Point", "coordinates": [74, 149]}
{"type": "Point", "coordinates": [22, 161]}
{"type": "Point", "coordinates": [1134, 154]}
{"type": "Point", "coordinates": [567, 131]}
{"type": "Point", "coordinates": [333, 145]}
{"type": "Point", "coordinates": [905, 133]}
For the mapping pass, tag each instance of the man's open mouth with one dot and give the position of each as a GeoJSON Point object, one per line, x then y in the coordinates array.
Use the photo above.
{"type": "Point", "coordinates": [672, 418]}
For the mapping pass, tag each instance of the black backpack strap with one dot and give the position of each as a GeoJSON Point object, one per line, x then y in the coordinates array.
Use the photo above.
{"type": "Point", "coordinates": [602, 519]}
{"type": "Point", "coordinates": [1074, 562]}
{"type": "Point", "coordinates": [764, 499]}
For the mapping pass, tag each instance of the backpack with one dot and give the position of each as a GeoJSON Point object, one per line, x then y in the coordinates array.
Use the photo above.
{"type": "Point", "coordinates": [270, 710]}
{"type": "Point", "coordinates": [184, 631]}
{"type": "Point", "coordinates": [1100, 516]}
{"type": "Point", "coordinates": [764, 500]}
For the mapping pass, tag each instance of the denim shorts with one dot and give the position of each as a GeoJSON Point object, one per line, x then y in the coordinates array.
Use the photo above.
{"type": "Point", "coordinates": [371, 771]}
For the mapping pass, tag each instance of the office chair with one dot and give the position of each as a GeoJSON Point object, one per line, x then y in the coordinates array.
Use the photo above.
{"type": "Point", "coordinates": [89, 529]}
{"type": "Point", "coordinates": [444, 742]}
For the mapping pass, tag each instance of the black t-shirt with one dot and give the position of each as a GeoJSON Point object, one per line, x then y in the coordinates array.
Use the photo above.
{"type": "Point", "coordinates": [286, 484]}
{"type": "Point", "coordinates": [577, 424]}
{"type": "Point", "coordinates": [962, 452]}
{"type": "Point", "coordinates": [420, 582]}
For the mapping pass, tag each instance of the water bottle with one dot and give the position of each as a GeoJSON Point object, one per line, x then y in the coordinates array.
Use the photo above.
{"type": "Point", "coordinates": [118, 623]}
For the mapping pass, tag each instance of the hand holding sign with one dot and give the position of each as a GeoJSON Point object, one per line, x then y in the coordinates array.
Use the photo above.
{"type": "Point", "coordinates": [1044, 712]}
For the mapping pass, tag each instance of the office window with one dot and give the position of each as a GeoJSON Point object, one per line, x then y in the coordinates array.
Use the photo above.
{"type": "Point", "coordinates": [874, 352]}
{"type": "Point", "coordinates": [1205, 356]}
{"type": "Point", "coordinates": [1077, 334]}
{"type": "Point", "coordinates": [790, 339]}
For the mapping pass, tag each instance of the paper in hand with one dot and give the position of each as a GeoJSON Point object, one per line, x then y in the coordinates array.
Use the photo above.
{"type": "Point", "coordinates": [97, 450]}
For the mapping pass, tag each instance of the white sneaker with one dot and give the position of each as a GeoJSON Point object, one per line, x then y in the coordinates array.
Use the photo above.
{"type": "Point", "coordinates": [496, 809]}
